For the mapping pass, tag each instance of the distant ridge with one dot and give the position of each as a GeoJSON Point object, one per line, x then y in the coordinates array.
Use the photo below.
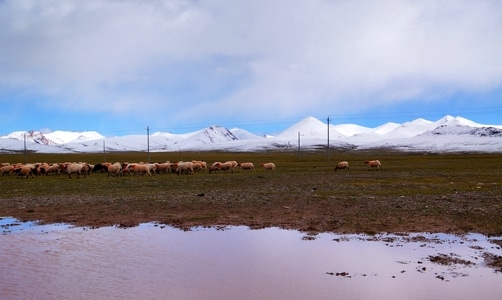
{"type": "Point", "coordinates": [448, 134]}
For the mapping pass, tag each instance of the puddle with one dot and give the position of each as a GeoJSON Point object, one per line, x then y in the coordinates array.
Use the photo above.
{"type": "Point", "coordinates": [153, 261]}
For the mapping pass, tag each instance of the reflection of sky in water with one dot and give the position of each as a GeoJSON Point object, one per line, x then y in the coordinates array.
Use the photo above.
{"type": "Point", "coordinates": [157, 262]}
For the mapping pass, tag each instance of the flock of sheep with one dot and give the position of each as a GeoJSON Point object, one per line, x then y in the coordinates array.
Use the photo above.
{"type": "Point", "coordinates": [344, 165]}
{"type": "Point", "coordinates": [120, 169]}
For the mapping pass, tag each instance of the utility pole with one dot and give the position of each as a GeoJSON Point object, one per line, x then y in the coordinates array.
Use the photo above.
{"type": "Point", "coordinates": [104, 151]}
{"type": "Point", "coordinates": [328, 138]}
{"type": "Point", "coordinates": [148, 142]}
{"type": "Point", "coordinates": [25, 148]}
{"type": "Point", "coordinates": [298, 145]}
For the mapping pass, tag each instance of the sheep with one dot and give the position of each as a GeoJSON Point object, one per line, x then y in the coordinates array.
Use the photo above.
{"type": "Point", "coordinates": [163, 168]}
{"type": "Point", "coordinates": [373, 164]}
{"type": "Point", "coordinates": [268, 166]}
{"type": "Point", "coordinates": [73, 168]}
{"type": "Point", "coordinates": [25, 171]}
{"type": "Point", "coordinates": [139, 169]}
{"type": "Point", "coordinates": [8, 169]}
{"type": "Point", "coordinates": [214, 167]}
{"type": "Point", "coordinates": [233, 163]}
{"type": "Point", "coordinates": [246, 166]}
{"type": "Point", "coordinates": [115, 169]}
{"type": "Point", "coordinates": [42, 169]}
{"type": "Point", "coordinates": [86, 168]}
{"type": "Point", "coordinates": [101, 167]}
{"type": "Point", "coordinates": [184, 168]}
{"type": "Point", "coordinates": [54, 169]}
{"type": "Point", "coordinates": [227, 166]}
{"type": "Point", "coordinates": [152, 168]}
{"type": "Point", "coordinates": [342, 165]}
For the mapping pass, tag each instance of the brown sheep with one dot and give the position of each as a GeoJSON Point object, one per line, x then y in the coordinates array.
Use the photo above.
{"type": "Point", "coordinates": [373, 164]}
{"type": "Point", "coordinates": [184, 168]}
{"type": "Point", "coordinates": [214, 167]}
{"type": "Point", "coordinates": [73, 168]}
{"type": "Point", "coordinates": [268, 166]}
{"type": "Point", "coordinates": [7, 170]}
{"type": "Point", "coordinates": [226, 166]}
{"type": "Point", "coordinates": [115, 169]}
{"type": "Point", "coordinates": [163, 168]}
{"type": "Point", "coordinates": [25, 171]}
{"type": "Point", "coordinates": [342, 165]}
{"type": "Point", "coordinates": [246, 166]}
{"type": "Point", "coordinates": [140, 169]}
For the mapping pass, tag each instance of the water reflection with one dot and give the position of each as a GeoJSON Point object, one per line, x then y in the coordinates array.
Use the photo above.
{"type": "Point", "coordinates": [157, 262]}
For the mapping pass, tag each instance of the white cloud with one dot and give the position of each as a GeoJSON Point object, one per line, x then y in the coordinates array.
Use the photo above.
{"type": "Point", "coordinates": [272, 56]}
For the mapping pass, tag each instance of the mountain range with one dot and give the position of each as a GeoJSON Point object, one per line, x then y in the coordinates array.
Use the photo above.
{"type": "Point", "coordinates": [448, 134]}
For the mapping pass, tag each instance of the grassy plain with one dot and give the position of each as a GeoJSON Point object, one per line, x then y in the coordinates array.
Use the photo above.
{"type": "Point", "coordinates": [454, 193]}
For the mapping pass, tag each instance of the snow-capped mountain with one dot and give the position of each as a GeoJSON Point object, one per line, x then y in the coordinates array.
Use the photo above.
{"type": "Point", "coordinates": [54, 138]}
{"type": "Point", "coordinates": [448, 134]}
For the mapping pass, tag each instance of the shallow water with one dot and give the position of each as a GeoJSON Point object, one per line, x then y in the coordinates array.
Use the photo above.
{"type": "Point", "coordinates": [158, 262]}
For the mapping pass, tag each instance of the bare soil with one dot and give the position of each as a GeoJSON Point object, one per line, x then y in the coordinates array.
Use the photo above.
{"type": "Point", "coordinates": [312, 200]}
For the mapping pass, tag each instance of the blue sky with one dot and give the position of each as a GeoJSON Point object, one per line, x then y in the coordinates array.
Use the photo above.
{"type": "Point", "coordinates": [118, 67]}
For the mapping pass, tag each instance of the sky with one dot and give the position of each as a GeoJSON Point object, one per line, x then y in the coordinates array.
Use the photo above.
{"type": "Point", "coordinates": [120, 67]}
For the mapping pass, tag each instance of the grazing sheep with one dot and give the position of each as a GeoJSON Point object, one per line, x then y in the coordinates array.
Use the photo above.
{"type": "Point", "coordinates": [25, 171]}
{"type": "Point", "coordinates": [42, 169]}
{"type": "Point", "coordinates": [73, 168]}
{"type": "Point", "coordinates": [54, 169]}
{"type": "Point", "coordinates": [184, 168]}
{"type": "Point", "coordinates": [115, 169]}
{"type": "Point", "coordinates": [268, 166]}
{"type": "Point", "coordinates": [214, 167]}
{"type": "Point", "coordinates": [342, 165]}
{"type": "Point", "coordinates": [140, 169]}
{"type": "Point", "coordinates": [7, 170]}
{"type": "Point", "coordinates": [246, 166]}
{"type": "Point", "coordinates": [226, 166]}
{"type": "Point", "coordinates": [163, 168]}
{"type": "Point", "coordinates": [373, 164]}
{"type": "Point", "coordinates": [233, 163]}
{"type": "Point", "coordinates": [101, 167]}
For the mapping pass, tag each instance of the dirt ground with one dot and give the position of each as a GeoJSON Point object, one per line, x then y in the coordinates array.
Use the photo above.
{"type": "Point", "coordinates": [310, 202]}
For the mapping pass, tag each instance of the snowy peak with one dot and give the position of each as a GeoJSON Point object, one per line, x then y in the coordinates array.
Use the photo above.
{"type": "Point", "coordinates": [446, 134]}
{"type": "Point", "coordinates": [56, 137]}
{"type": "Point", "coordinates": [64, 137]}
{"type": "Point", "coordinates": [310, 127]}
{"type": "Point", "coordinates": [214, 134]}
{"type": "Point", "coordinates": [242, 134]}
{"type": "Point", "coordinates": [31, 136]}
{"type": "Point", "coordinates": [466, 130]}
{"type": "Point", "coordinates": [454, 121]}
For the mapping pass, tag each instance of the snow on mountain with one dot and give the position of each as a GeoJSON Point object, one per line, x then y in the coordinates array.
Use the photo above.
{"type": "Point", "coordinates": [351, 129]}
{"type": "Point", "coordinates": [385, 128]}
{"type": "Point", "coordinates": [310, 128]}
{"type": "Point", "coordinates": [63, 137]}
{"type": "Point", "coordinates": [448, 134]}
{"type": "Point", "coordinates": [30, 136]}
{"type": "Point", "coordinates": [54, 138]}
{"type": "Point", "coordinates": [413, 128]}
{"type": "Point", "coordinates": [213, 134]}
{"type": "Point", "coordinates": [242, 134]}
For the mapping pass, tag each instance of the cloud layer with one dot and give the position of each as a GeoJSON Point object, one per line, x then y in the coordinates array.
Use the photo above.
{"type": "Point", "coordinates": [186, 60]}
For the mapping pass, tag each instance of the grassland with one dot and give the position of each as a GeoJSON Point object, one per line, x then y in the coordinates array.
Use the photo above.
{"type": "Point", "coordinates": [454, 193]}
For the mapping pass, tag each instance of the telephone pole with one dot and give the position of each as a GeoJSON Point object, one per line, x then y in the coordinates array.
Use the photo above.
{"type": "Point", "coordinates": [24, 148]}
{"type": "Point", "coordinates": [299, 144]}
{"type": "Point", "coordinates": [104, 151]}
{"type": "Point", "coordinates": [328, 138]}
{"type": "Point", "coordinates": [148, 142]}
